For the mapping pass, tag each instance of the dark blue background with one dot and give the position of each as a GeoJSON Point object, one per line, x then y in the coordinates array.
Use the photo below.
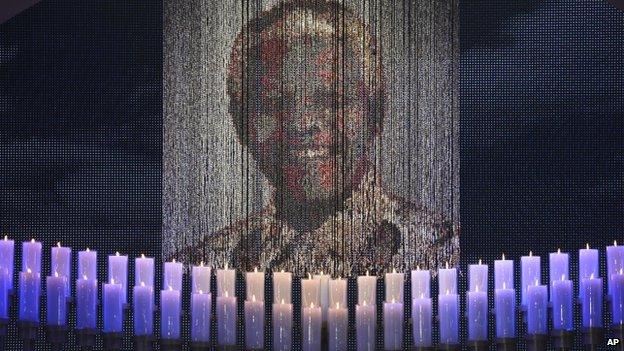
{"type": "Point", "coordinates": [542, 147]}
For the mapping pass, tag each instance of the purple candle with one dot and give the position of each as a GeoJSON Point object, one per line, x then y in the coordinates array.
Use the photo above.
{"type": "Point", "coordinates": [448, 315]}
{"type": "Point", "coordinates": [31, 256]}
{"type": "Point", "coordinates": [170, 314]}
{"type": "Point", "coordinates": [337, 323]}
{"type": "Point", "coordinates": [118, 272]}
{"type": "Point", "coordinates": [112, 307]}
{"type": "Point", "coordinates": [226, 319]}
{"type": "Point", "coordinates": [7, 252]}
{"type": "Point", "coordinates": [537, 309]}
{"type": "Point", "coordinates": [254, 323]}
{"type": "Point", "coordinates": [201, 307]}
{"type": "Point", "coordinates": [421, 317]}
{"type": "Point", "coordinates": [144, 271]}
{"type": "Point", "coordinates": [56, 301]}
{"type": "Point", "coordinates": [61, 265]}
{"type": "Point", "coordinates": [29, 291]}
{"type": "Point", "coordinates": [531, 273]}
{"type": "Point", "coordinates": [143, 306]}
{"type": "Point", "coordinates": [477, 315]}
{"type": "Point", "coordinates": [311, 325]}
{"type": "Point", "coordinates": [591, 305]}
{"type": "Point", "coordinates": [478, 277]}
{"type": "Point", "coordinates": [447, 280]}
{"type": "Point", "coordinates": [201, 278]}
{"type": "Point", "coordinates": [282, 326]}
{"type": "Point", "coordinates": [4, 294]}
{"type": "Point", "coordinates": [365, 320]}
{"type": "Point", "coordinates": [503, 274]}
{"type": "Point", "coordinates": [617, 300]}
{"type": "Point", "coordinates": [86, 303]}
{"type": "Point", "coordinates": [562, 304]}
{"type": "Point", "coordinates": [87, 264]}
{"type": "Point", "coordinates": [615, 261]}
{"type": "Point", "coordinates": [172, 275]}
{"type": "Point", "coordinates": [558, 267]}
{"type": "Point", "coordinates": [505, 309]}
{"type": "Point", "coordinates": [421, 282]}
{"type": "Point", "coordinates": [393, 325]}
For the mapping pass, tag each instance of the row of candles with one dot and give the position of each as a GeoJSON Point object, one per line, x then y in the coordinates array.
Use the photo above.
{"type": "Point", "coordinates": [323, 299]}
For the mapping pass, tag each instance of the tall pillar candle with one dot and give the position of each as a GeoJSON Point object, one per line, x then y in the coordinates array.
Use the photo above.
{"type": "Point", "coordinates": [447, 280]}
{"type": "Point", "coordinates": [56, 301]}
{"type": "Point", "coordinates": [530, 267]}
{"type": "Point", "coordinates": [562, 304]}
{"type": "Point", "coordinates": [170, 314]}
{"type": "Point", "coordinates": [143, 310]}
{"type": "Point", "coordinates": [144, 271]}
{"type": "Point", "coordinates": [448, 313]}
{"type": "Point", "coordinates": [337, 325]}
{"type": "Point", "coordinates": [505, 312]}
{"type": "Point", "coordinates": [421, 319]}
{"type": "Point", "coordinates": [226, 282]}
{"type": "Point", "coordinates": [60, 263]}
{"type": "Point", "coordinates": [254, 282]}
{"type": "Point", "coordinates": [591, 305]}
{"type": "Point", "coordinates": [477, 315]}
{"type": "Point", "coordinates": [201, 308]}
{"type": "Point", "coordinates": [617, 299]}
{"type": "Point", "coordinates": [282, 287]}
{"type": "Point", "coordinates": [29, 291]}
{"type": "Point", "coordinates": [615, 262]}
{"type": "Point", "coordinates": [323, 293]}
{"type": "Point", "coordinates": [4, 295]}
{"type": "Point", "coordinates": [421, 283]}
{"type": "Point", "coordinates": [254, 323]}
{"type": "Point", "coordinates": [310, 292]}
{"type": "Point", "coordinates": [201, 278]}
{"type": "Point", "coordinates": [478, 277]}
{"type": "Point", "coordinates": [172, 275]}
{"type": "Point", "coordinates": [338, 292]}
{"type": "Point", "coordinates": [226, 318]}
{"type": "Point", "coordinates": [282, 326]}
{"type": "Point", "coordinates": [367, 289]}
{"type": "Point", "coordinates": [393, 325]}
{"type": "Point", "coordinates": [503, 274]}
{"type": "Point", "coordinates": [112, 307]}
{"type": "Point", "coordinates": [118, 273]}
{"type": "Point", "coordinates": [394, 286]}
{"type": "Point", "coordinates": [537, 309]}
{"type": "Point", "coordinates": [31, 256]}
{"type": "Point", "coordinates": [311, 327]}
{"type": "Point", "coordinates": [7, 253]}
{"type": "Point", "coordinates": [86, 303]}
{"type": "Point", "coordinates": [365, 321]}
{"type": "Point", "coordinates": [558, 267]}
{"type": "Point", "coordinates": [87, 264]}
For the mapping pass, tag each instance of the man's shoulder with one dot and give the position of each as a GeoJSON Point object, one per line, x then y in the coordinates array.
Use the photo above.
{"type": "Point", "coordinates": [407, 213]}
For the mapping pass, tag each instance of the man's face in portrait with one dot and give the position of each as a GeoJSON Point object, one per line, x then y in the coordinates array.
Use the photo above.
{"type": "Point", "coordinates": [307, 108]}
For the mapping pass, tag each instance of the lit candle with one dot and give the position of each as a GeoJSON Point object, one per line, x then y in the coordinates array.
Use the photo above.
{"type": "Point", "coordinates": [537, 313]}
{"type": "Point", "coordinates": [591, 305]}
{"type": "Point", "coordinates": [86, 303]}
{"type": "Point", "coordinates": [615, 262]}
{"type": "Point", "coordinates": [87, 264]}
{"type": "Point", "coordinates": [29, 291]}
{"type": "Point", "coordinates": [365, 321]}
{"type": "Point", "coordinates": [7, 252]}
{"type": "Point", "coordinates": [558, 267]}
{"type": "Point", "coordinates": [338, 292]}
{"type": "Point", "coordinates": [143, 308]}
{"type": "Point", "coordinates": [530, 267]}
{"type": "Point", "coordinates": [282, 287]}
{"type": "Point", "coordinates": [449, 317]}
{"type": "Point", "coordinates": [393, 325]}
{"type": "Point", "coordinates": [201, 307]}
{"type": "Point", "coordinates": [588, 263]}
{"type": "Point", "coordinates": [310, 292]}
{"type": "Point", "coordinates": [478, 277]}
{"type": "Point", "coordinates": [323, 293]}
{"type": "Point", "coordinates": [477, 314]}
{"type": "Point", "coordinates": [337, 325]}
{"type": "Point", "coordinates": [31, 256]}
{"type": "Point", "coordinates": [503, 273]}
{"type": "Point", "coordinates": [447, 280]}
{"type": "Point", "coordinates": [61, 265]}
{"type": "Point", "coordinates": [172, 275]}
{"type": "Point", "coordinates": [144, 271]}
{"type": "Point", "coordinates": [282, 326]}
{"type": "Point", "coordinates": [118, 272]}
{"type": "Point", "coordinates": [394, 286]}
{"type": "Point", "coordinates": [226, 280]}
{"type": "Point", "coordinates": [226, 319]}
{"type": "Point", "coordinates": [201, 278]}
{"type": "Point", "coordinates": [421, 282]}
{"type": "Point", "coordinates": [617, 300]}
{"type": "Point", "coordinates": [562, 304]}
{"type": "Point", "coordinates": [170, 314]}
{"type": "Point", "coordinates": [56, 300]}
{"type": "Point", "coordinates": [505, 309]}
{"type": "Point", "coordinates": [367, 289]}
{"type": "Point", "coordinates": [421, 317]}
{"type": "Point", "coordinates": [311, 325]}
{"type": "Point", "coordinates": [254, 323]}
{"type": "Point", "coordinates": [255, 285]}
{"type": "Point", "coordinates": [4, 294]}
{"type": "Point", "coordinates": [112, 307]}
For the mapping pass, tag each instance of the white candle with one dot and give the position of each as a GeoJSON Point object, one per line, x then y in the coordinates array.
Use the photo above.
{"type": "Point", "coordinates": [118, 272]}
{"type": "Point", "coordinates": [503, 274]}
{"type": "Point", "coordinates": [394, 286]}
{"type": "Point", "coordinates": [172, 273]}
{"type": "Point", "coordinates": [393, 325]}
{"type": "Point", "coordinates": [282, 326]}
{"type": "Point", "coordinates": [559, 267]}
{"type": "Point", "coordinates": [447, 280]}
{"type": "Point", "coordinates": [255, 285]}
{"type": "Point", "coordinates": [478, 276]}
{"type": "Point", "coordinates": [201, 278]}
{"type": "Point", "coordinates": [170, 313]}
{"type": "Point", "coordinates": [143, 307]}
{"type": "Point", "coordinates": [337, 325]}
{"type": "Point", "coordinates": [367, 289]}
{"type": "Point", "coordinates": [87, 264]}
{"type": "Point", "coordinates": [365, 321]}
{"type": "Point", "coordinates": [226, 319]}
{"type": "Point", "coordinates": [282, 287]}
{"type": "Point", "coordinates": [60, 258]}
{"type": "Point", "coordinates": [421, 283]}
{"type": "Point", "coordinates": [310, 292]}
{"type": "Point", "coordinates": [144, 271]}
{"type": "Point", "coordinates": [201, 307]}
{"type": "Point", "coordinates": [311, 324]}
{"type": "Point", "coordinates": [31, 256]}
{"type": "Point", "coordinates": [254, 323]}
{"type": "Point", "coordinates": [530, 273]}
{"type": "Point", "coordinates": [338, 292]}
{"type": "Point", "coordinates": [421, 318]}
{"type": "Point", "coordinates": [323, 293]}
{"type": "Point", "coordinates": [7, 254]}
{"type": "Point", "coordinates": [226, 281]}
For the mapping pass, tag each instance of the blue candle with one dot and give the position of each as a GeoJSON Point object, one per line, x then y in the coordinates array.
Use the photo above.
{"type": "Point", "coordinates": [144, 271]}
{"type": "Point", "coordinates": [30, 289]}
{"type": "Point", "coordinates": [226, 319]}
{"type": "Point", "coordinates": [503, 274]}
{"type": "Point", "coordinates": [421, 281]}
{"type": "Point", "coordinates": [254, 324]}
{"type": "Point", "coordinates": [477, 315]}
{"type": "Point", "coordinates": [393, 325]}
{"type": "Point", "coordinates": [537, 309]}
{"type": "Point", "coordinates": [615, 262]}
{"type": "Point", "coordinates": [562, 304]}
{"type": "Point", "coordinates": [87, 264]}
{"type": "Point", "coordinates": [448, 315]}
{"type": "Point", "coordinates": [478, 277]}
{"type": "Point", "coordinates": [60, 258]}
{"type": "Point", "coordinates": [558, 267]}
{"type": "Point", "coordinates": [56, 300]}
{"type": "Point", "coordinates": [365, 322]}
{"type": "Point", "coordinates": [591, 305]}
{"type": "Point", "coordinates": [118, 272]}
{"type": "Point", "coordinates": [143, 310]}
{"type": "Point", "coordinates": [4, 294]}
{"type": "Point", "coordinates": [201, 307]}
{"type": "Point", "coordinates": [31, 256]}
{"type": "Point", "coordinates": [112, 307]}
{"type": "Point", "coordinates": [530, 273]}
{"type": "Point", "coordinates": [617, 300]}
{"type": "Point", "coordinates": [170, 314]}
{"type": "Point", "coordinates": [7, 252]}
{"type": "Point", "coordinates": [421, 317]}
{"type": "Point", "coordinates": [172, 275]}
{"type": "Point", "coordinates": [505, 309]}
{"type": "Point", "coordinates": [86, 303]}
{"type": "Point", "coordinates": [588, 266]}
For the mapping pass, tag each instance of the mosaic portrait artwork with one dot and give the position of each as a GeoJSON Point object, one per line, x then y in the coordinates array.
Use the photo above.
{"type": "Point", "coordinates": [311, 135]}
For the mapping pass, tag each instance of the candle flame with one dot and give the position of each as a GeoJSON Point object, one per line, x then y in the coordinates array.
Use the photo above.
{"type": "Point", "coordinates": [58, 244]}
{"type": "Point", "coordinates": [227, 293]}
{"type": "Point", "coordinates": [201, 264]}
{"type": "Point", "coordinates": [88, 249]}
{"type": "Point", "coordinates": [503, 256]}
{"type": "Point", "coordinates": [309, 276]}
{"type": "Point", "coordinates": [393, 270]}
{"type": "Point", "coordinates": [321, 272]}
{"type": "Point", "coordinates": [84, 276]}
{"type": "Point", "coordinates": [364, 303]}
{"type": "Point", "coordinates": [282, 270]}
{"type": "Point", "coordinates": [6, 238]}
{"type": "Point", "coordinates": [559, 250]}
{"type": "Point", "coordinates": [174, 261]}
{"type": "Point", "coordinates": [56, 274]}
{"type": "Point", "coordinates": [393, 300]}
{"type": "Point", "coordinates": [201, 291]}
{"type": "Point", "coordinates": [504, 287]}
{"type": "Point", "coordinates": [447, 291]}
{"type": "Point", "coordinates": [446, 264]}
{"type": "Point", "coordinates": [614, 242]}
{"type": "Point", "coordinates": [226, 265]}
{"type": "Point", "coordinates": [591, 276]}
{"type": "Point", "coordinates": [536, 282]}
{"type": "Point", "coordinates": [312, 304]}
{"type": "Point", "coordinates": [480, 262]}
{"type": "Point", "coordinates": [562, 277]}
{"type": "Point", "coordinates": [422, 295]}
{"type": "Point", "coordinates": [112, 281]}
{"type": "Point", "coordinates": [367, 272]}
{"type": "Point", "coordinates": [417, 267]}
{"type": "Point", "coordinates": [477, 288]}
{"type": "Point", "coordinates": [621, 271]}
{"type": "Point", "coordinates": [253, 298]}
{"type": "Point", "coordinates": [142, 255]}
{"type": "Point", "coordinates": [116, 253]}
{"type": "Point", "coordinates": [282, 301]}
{"type": "Point", "coordinates": [142, 283]}
{"type": "Point", "coordinates": [28, 270]}
{"type": "Point", "coordinates": [339, 277]}
{"type": "Point", "coordinates": [32, 240]}
{"type": "Point", "coordinates": [530, 253]}
{"type": "Point", "coordinates": [170, 288]}
{"type": "Point", "coordinates": [337, 305]}
{"type": "Point", "coordinates": [587, 246]}
{"type": "Point", "coordinates": [255, 269]}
